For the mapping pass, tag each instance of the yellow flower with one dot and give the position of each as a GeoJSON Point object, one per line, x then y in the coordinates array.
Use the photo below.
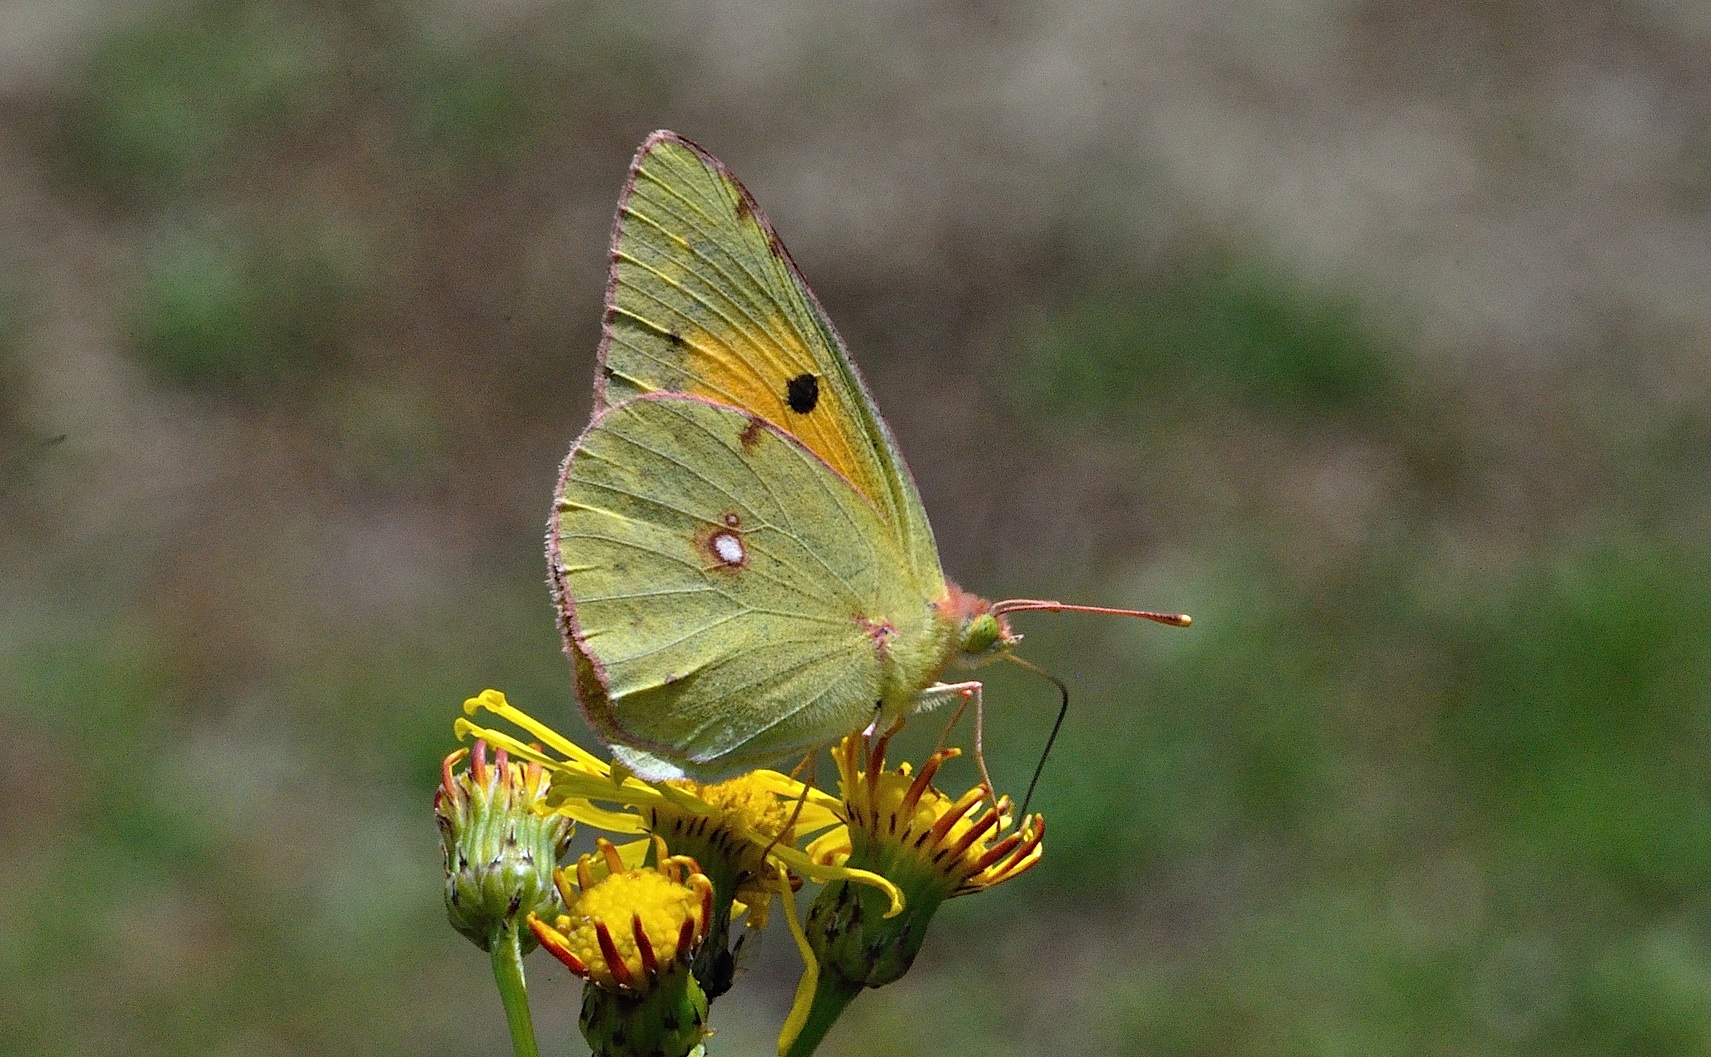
{"type": "Point", "coordinates": [632, 933]}
{"type": "Point", "coordinates": [622, 925]}
{"type": "Point", "coordinates": [721, 826]}
{"type": "Point", "coordinates": [911, 832]}
{"type": "Point", "coordinates": [740, 831]}
{"type": "Point", "coordinates": [934, 847]}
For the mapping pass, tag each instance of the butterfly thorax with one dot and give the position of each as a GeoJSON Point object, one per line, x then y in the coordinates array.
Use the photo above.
{"type": "Point", "coordinates": [913, 644]}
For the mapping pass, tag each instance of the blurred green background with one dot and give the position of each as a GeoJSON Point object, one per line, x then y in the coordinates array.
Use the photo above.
{"type": "Point", "coordinates": [1375, 334]}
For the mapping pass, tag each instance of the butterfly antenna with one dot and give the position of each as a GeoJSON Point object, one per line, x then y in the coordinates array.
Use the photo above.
{"type": "Point", "coordinates": [1063, 710]}
{"type": "Point", "coordinates": [1041, 605]}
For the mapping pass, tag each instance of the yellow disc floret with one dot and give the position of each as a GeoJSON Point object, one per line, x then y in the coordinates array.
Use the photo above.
{"type": "Point", "coordinates": [747, 801]}
{"type": "Point", "coordinates": [620, 929]}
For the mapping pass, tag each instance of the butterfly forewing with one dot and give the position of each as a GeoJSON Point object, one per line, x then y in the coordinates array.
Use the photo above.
{"type": "Point", "coordinates": [704, 299]}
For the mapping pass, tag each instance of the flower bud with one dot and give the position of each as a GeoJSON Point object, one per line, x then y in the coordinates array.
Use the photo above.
{"type": "Point", "coordinates": [499, 849]}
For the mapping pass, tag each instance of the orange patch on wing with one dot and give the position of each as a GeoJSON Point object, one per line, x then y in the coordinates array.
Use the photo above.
{"type": "Point", "coordinates": [750, 436]}
{"type": "Point", "coordinates": [754, 375]}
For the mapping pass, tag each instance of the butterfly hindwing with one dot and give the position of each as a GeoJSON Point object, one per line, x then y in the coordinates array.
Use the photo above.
{"type": "Point", "coordinates": [726, 587]}
{"type": "Point", "coordinates": [704, 299]}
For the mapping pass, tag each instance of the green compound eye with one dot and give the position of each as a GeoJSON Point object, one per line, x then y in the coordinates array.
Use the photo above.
{"type": "Point", "coordinates": [982, 634]}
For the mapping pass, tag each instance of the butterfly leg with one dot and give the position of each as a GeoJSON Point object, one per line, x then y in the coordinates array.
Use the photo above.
{"type": "Point", "coordinates": [969, 691]}
{"type": "Point", "coordinates": [956, 717]}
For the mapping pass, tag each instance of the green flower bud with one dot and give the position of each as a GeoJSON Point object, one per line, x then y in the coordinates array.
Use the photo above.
{"type": "Point", "coordinates": [499, 850]}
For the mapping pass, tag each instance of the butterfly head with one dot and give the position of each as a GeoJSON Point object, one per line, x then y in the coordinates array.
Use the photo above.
{"type": "Point", "coordinates": [982, 634]}
{"type": "Point", "coordinates": [983, 628]}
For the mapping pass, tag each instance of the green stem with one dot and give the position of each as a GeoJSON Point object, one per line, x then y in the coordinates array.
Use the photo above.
{"type": "Point", "coordinates": [507, 951]}
{"type": "Point", "coordinates": [832, 996]}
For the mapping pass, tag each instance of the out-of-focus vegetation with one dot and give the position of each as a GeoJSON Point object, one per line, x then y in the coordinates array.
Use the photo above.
{"type": "Point", "coordinates": [1373, 336]}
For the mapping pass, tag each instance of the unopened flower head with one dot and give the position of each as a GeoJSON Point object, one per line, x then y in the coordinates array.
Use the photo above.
{"type": "Point", "coordinates": [499, 845]}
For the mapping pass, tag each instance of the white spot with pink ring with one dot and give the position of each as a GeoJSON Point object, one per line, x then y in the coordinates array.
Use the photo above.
{"type": "Point", "coordinates": [728, 548]}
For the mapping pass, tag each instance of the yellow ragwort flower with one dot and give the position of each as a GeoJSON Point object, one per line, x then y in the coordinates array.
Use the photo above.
{"type": "Point", "coordinates": [896, 824]}
{"type": "Point", "coordinates": [632, 933]}
{"type": "Point", "coordinates": [740, 818]}
{"type": "Point", "coordinates": [622, 925]}
{"type": "Point", "coordinates": [740, 831]}
{"type": "Point", "coordinates": [909, 831]}
{"type": "Point", "coordinates": [722, 824]}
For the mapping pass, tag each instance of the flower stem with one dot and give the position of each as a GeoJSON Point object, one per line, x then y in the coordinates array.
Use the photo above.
{"type": "Point", "coordinates": [832, 995]}
{"type": "Point", "coordinates": [507, 952]}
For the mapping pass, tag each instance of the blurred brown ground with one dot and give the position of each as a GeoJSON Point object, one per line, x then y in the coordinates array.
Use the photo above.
{"type": "Point", "coordinates": [243, 597]}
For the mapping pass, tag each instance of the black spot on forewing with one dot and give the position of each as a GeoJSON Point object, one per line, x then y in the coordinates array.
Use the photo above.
{"type": "Point", "coordinates": [674, 339]}
{"type": "Point", "coordinates": [802, 393]}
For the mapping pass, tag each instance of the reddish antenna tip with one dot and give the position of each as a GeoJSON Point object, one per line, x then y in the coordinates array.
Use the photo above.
{"type": "Point", "coordinates": [1041, 605]}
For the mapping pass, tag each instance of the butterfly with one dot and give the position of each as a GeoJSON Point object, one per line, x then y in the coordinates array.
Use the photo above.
{"type": "Point", "coordinates": [741, 564]}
